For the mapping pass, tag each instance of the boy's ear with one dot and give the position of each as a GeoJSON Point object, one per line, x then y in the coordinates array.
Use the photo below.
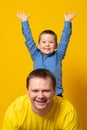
{"type": "Point", "coordinates": [38, 46]}
{"type": "Point", "coordinates": [56, 46]}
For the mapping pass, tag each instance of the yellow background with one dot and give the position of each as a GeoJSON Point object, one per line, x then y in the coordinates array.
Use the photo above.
{"type": "Point", "coordinates": [15, 61]}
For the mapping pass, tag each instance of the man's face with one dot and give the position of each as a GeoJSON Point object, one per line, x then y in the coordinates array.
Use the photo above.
{"type": "Point", "coordinates": [47, 43]}
{"type": "Point", "coordinates": [41, 93]}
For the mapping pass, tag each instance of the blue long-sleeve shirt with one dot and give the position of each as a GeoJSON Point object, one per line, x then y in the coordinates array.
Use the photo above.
{"type": "Point", "coordinates": [53, 61]}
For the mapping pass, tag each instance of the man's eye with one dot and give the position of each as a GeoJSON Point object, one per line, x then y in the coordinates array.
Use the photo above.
{"type": "Point", "coordinates": [34, 90]}
{"type": "Point", "coordinates": [46, 90]}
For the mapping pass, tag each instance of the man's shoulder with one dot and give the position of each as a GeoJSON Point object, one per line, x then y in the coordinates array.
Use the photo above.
{"type": "Point", "coordinates": [63, 102]}
{"type": "Point", "coordinates": [17, 110]}
{"type": "Point", "coordinates": [19, 103]}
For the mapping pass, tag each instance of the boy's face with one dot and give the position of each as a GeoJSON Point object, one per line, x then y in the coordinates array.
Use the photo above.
{"type": "Point", "coordinates": [47, 43]}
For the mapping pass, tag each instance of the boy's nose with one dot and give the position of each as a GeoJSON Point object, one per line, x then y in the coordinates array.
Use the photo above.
{"type": "Point", "coordinates": [47, 43]}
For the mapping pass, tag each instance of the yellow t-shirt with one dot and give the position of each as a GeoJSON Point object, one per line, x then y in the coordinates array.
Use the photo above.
{"type": "Point", "coordinates": [19, 116]}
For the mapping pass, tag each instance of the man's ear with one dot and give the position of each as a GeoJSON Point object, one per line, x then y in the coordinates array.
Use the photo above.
{"type": "Point", "coordinates": [27, 91]}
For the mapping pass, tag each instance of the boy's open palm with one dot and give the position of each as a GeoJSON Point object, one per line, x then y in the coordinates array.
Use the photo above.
{"type": "Point", "coordinates": [69, 17]}
{"type": "Point", "coordinates": [22, 16]}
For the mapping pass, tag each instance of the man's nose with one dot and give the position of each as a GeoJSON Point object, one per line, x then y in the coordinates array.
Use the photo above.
{"type": "Point", "coordinates": [40, 94]}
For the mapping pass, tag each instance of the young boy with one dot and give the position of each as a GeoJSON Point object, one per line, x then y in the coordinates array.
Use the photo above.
{"type": "Point", "coordinates": [48, 54]}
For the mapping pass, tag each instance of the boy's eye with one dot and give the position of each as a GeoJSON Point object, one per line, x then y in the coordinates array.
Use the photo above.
{"type": "Point", "coordinates": [44, 42]}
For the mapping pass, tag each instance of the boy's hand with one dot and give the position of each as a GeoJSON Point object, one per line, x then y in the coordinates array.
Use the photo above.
{"type": "Point", "coordinates": [69, 17]}
{"type": "Point", "coordinates": [22, 16]}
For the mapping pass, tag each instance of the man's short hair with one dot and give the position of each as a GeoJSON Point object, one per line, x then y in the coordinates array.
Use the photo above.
{"type": "Point", "coordinates": [41, 73]}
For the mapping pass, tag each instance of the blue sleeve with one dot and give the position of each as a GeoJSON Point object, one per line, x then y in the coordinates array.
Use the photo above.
{"type": "Point", "coordinates": [29, 39]}
{"type": "Point", "coordinates": [64, 39]}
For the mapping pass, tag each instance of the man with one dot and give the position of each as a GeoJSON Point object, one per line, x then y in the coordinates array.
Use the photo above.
{"type": "Point", "coordinates": [40, 109]}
